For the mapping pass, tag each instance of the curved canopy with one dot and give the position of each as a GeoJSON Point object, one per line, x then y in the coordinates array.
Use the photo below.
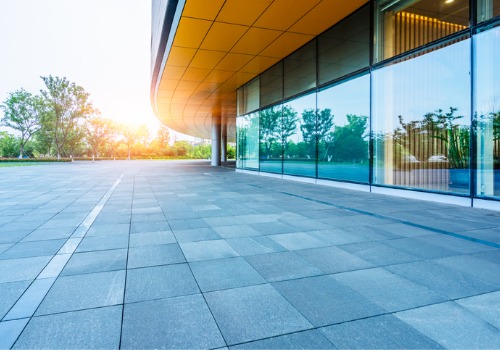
{"type": "Point", "coordinates": [219, 45]}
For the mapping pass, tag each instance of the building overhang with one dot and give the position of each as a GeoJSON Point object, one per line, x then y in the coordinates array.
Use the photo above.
{"type": "Point", "coordinates": [210, 48]}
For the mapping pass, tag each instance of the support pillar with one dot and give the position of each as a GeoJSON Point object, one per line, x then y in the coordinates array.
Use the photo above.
{"type": "Point", "coordinates": [216, 138]}
{"type": "Point", "coordinates": [224, 141]}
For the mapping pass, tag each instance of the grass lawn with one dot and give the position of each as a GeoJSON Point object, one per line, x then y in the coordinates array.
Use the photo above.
{"type": "Point", "coordinates": [6, 164]}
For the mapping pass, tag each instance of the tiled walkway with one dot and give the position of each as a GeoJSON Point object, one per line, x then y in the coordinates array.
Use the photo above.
{"type": "Point", "coordinates": [152, 254]}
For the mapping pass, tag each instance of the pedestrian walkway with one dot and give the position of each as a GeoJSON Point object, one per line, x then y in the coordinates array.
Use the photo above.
{"type": "Point", "coordinates": [178, 254]}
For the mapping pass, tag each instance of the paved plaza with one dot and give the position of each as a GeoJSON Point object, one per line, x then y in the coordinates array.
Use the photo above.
{"type": "Point", "coordinates": [178, 254]}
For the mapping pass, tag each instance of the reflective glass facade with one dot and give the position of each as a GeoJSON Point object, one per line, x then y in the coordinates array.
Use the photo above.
{"type": "Point", "coordinates": [487, 9]}
{"type": "Point", "coordinates": [271, 140]}
{"type": "Point", "coordinates": [404, 25]}
{"type": "Point", "coordinates": [247, 146]}
{"type": "Point", "coordinates": [298, 129]}
{"type": "Point", "coordinates": [344, 130]}
{"type": "Point", "coordinates": [401, 94]}
{"type": "Point", "coordinates": [421, 121]}
{"type": "Point", "coordinates": [487, 111]}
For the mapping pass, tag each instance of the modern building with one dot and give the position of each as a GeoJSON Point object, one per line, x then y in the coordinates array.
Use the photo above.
{"type": "Point", "coordinates": [390, 96]}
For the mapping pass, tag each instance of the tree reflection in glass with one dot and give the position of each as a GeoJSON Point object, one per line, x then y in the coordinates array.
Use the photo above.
{"type": "Point", "coordinates": [298, 136]}
{"type": "Point", "coordinates": [343, 133]}
{"type": "Point", "coordinates": [271, 145]}
{"type": "Point", "coordinates": [421, 120]}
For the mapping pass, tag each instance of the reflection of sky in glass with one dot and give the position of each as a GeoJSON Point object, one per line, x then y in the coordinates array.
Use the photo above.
{"type": "Point", "coordinates": [413, 88]}
{"type": "Point", "coordinates": [487, 73]}
{"type": "Point", "coordinates": [351, 97]}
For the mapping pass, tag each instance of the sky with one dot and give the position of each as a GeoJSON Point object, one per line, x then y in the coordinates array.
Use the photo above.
{"type": "Point", "coordinates": [101, 45]}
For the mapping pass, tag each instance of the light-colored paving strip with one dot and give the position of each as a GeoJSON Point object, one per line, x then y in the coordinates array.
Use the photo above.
{"type": "Point", "coordinates": [16, 319]}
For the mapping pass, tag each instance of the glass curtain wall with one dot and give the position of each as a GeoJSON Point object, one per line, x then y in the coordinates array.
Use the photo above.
{"type": "Point", "coordinates": [343, 130]}
{"type": "Point", "coordinates": [487, 111]}
{"type": "Point", "coordinates": [403, 25]}
{"type": "Point", "coordinates": [248, 141]}
{"type": "Point", "coordinates": [487, 9]}
{"type": "Point", "coordinates": [421, 121]}
{"type": "Point", "coordinates": [345, 48]}
{"type": "Point", "coordinates": [298, 132]}
{"type": "Point", "coordinates": [415, 108]}
{"type": "Point", "coordinates": [300, 70]}
{"type": "Point", "coordinates": [271, 142]}
{"type": "Point", "coordinates": [271, 85]}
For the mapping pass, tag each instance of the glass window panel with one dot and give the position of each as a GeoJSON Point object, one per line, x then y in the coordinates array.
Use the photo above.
{"type": "Point", "coordinates": [247, 97]}
{"type": "Point", "coordinates": [252, 95]}
{"type": "Point", "coordinates": [271, 147]}
{"type": "Point", "coordinates": [300, 70]}
{"type": "Point", "coordinates": [404, 25]}
{"type": "Point", "coordinates": [240, 101]}
{"type": "Point", "coordinates": [487, 9]}
{"type": "Point", "coordinates": [421, 121]}
{"type": "Point", "coordinates": [487, 111]}
{"type": "Point", "coordinates": [343, 131]}
{"type": "Point", "coordinates": [247, 129]}
{"type": "Point", "coordinates": [271, 85]}
{"type": "Point", "coordinates": [345, 48]}
{"type": "Point", "coordinates": [298, 125]}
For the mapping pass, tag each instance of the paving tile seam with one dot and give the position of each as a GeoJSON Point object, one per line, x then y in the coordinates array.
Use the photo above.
{"type": "Point", "coordinates": [24, 306]}
{"type": "Point", "coordinates": [379, 216]}
{"type": "Point", "coordinates": [90, 273]}
{"type": "Point", "coordinates": [454, 301]}
{"type": "Point", "coordinates": [280, 335]}
{"type": "Point", "coordinates": [477, 314]}
{"type": "Point", "coordinates": [326, 326]}
{"type": "Point", "coordinates": [69, 311]}
{"type": "Point", "coordinates": [162, 298]}
{"type": "Point", "coordinates": [191, 271]}
{"type": "Point", "coordinates": [126, 264]}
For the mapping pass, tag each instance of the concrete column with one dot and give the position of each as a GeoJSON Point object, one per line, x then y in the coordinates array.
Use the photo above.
{"type": "Point", "coordinates": [216, 136]}
{"type": "Point", "coordinates": [224, 141]}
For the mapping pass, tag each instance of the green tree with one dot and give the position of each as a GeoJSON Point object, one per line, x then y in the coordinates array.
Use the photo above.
{"type": "Point", "coordinates": [43, 139]}
{"type": "Point", "coordinates": [97, 134]}
{"type": "Point", "coordinates": [75, 141]}
{"type": "Point", "coordinates": [162, 140]}
{"type": "Point", "coordinates": [202, 151]}
{"type": "Point", "coordinates": [183, 148]}
{"type": "Point", "coordinates": [132, 136]}
{"type": "Point", "coordinates": [9, 145]}
{"type": "Point", "coordinates": [24, 112]}
{"type": "Point", "coordinates": [163, 136]}
{"type": "Point", "coordinates": [69, 104]}
{"type": "Point", "coordinates": [231, 152]}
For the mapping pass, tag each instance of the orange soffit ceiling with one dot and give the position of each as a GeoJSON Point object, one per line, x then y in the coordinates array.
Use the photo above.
{"type": "Point", "coordinates": [221, 44]}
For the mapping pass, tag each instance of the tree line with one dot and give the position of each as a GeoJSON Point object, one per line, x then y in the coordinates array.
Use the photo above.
{"type": "Point", "coordinates": [61, 121]}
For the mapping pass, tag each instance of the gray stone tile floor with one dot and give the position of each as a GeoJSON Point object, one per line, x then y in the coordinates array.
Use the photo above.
{"type": "Point", "coordinates": [178, 254]}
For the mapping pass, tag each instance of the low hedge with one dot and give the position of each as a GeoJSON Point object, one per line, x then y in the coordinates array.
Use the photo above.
{"type": "Point", "coordinates": [35, 160]}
